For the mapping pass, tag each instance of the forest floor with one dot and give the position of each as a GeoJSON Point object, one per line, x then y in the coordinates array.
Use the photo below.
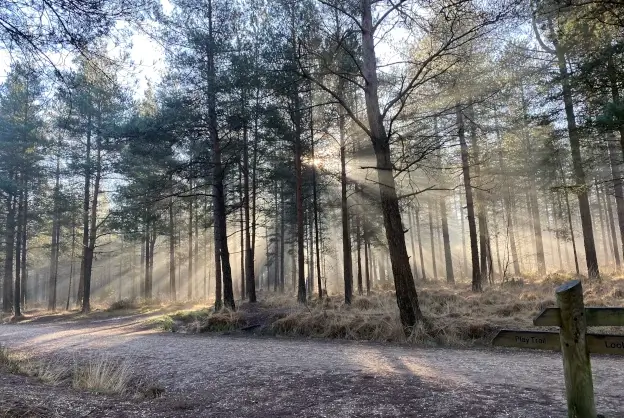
{"type": "Point", "coordinates": [241, 376]}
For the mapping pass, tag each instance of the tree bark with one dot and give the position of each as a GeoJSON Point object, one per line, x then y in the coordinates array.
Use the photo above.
{"type": "Point", "coordinates": [579, 172]}
{"type": "Point", "coordinates": [407, 298]}
{"type": "Point", "coordinates": [54, 250]}
{"type": "Point", "coordinates": [316, 220]}
{"type": "Point", "coordinates": [432, 235]}
{"type": "Point", "coordinates": [189, 274]}
{"type": "Point", "coordinates": [346, 230]}
{"type": "Point", "coordinates": [480, 200]}
{"type": "Point", "coordinates": [172, 275]}
{"type": "Point", "coordinates": [17, 293]}
{"type": "Point", "coordinates": [613, 234]}
{"type": "Point", "coordinates": [472, 227]}
{"type": "Point", "coordinates": [9, 248]}
{"type": "Point", "coordinates": [85, 211]}
{"type": "Point", "coordinates": [420, 245]}
{"type": "Point", "coordinates": [448, 258]}
{"type": "Point", "coordinates": [88, 264]}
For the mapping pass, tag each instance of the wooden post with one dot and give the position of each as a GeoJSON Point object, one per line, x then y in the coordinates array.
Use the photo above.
{"type": "Point", "coordinates": [576, 364]}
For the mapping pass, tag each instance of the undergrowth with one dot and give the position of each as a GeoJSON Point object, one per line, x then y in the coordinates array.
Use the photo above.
{"type": "Point", "coordinates": [454, 315]}
{"type": "Point", "coordinates": [97, 374]}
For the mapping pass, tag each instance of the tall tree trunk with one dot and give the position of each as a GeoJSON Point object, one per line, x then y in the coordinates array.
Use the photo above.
{"type": "Point", "coordinates": [196, 292]}
{"type": "Point", "coordinates": [463, 240]}
{"type": "Point", "coordinates": [218, 174]}
{"type": "Point", "coordinates": [189, 274]}
{"type": "Point", "coordinates": [217, 263]}
{"type": "Point", "coordinates": [18, 248]}
{"type": "Point", "coordinates": [480, 200]}
{"type": "Point", "coordinates": [88, 264]}
{"type": "Point", "coordinates": [249, 249]}
{"type": "Point", "coordinates": [556, 226]}
{"type": "Point", "coordinates": [346, 230]}
{"type": "Point", "coordinates": [241, 221]}
{"type": "Point", "coordinates": [432, 235]}
{"type": "Point", "coordinates": [54, 250]}
{"type": "Point", "coordinates": [472, 227]}
{"type": "Point", "coordinates": [412, 241]}
{"type": "Point", "coordinates": [577, 162]}
{"type": "Point", "coordinates": [407, 298]}
{"type": "Point", "coordinates": [298, 154]}
{"type": "Point", "coordinates": [282, 258]}
{"type": "Point", "coordinates": [571, 229]}
{"type": "Point", "coordinates": [316, 220]}
{"type": "Point", "coordinates": [24, 285]}
{"type": "Point", "coordinates": [366, 264]}
{"type": "Point", "coordinates": [448, 258]}
{"type": "Point", "coordinates": [603, 229]}
{"type": "Point", "coordinates": [420, 244]}
{"type": "Point", "coordinates": [85, 211]}
{"type": "Point", "coordinates": [9, 248]}
{"type": "Point", "coordinates": [172, 272]}
{"type": "Point", "coordinates": [614, 241]}
{"type": "Point", "coordinates": [618, 188]}
{"type": "Point", "coordinates": [71, 262]}
{"type": "Point", "coordinates": [359, 253]}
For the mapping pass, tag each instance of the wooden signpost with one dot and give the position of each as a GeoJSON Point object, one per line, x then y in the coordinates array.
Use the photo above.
{"type": "Point", "coordinates": [573, 341]}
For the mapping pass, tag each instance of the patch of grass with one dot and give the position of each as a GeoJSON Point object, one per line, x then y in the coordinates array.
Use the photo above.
{"type": "Point", "coordinates": [8, 360]}
{"type": "Point", "coordinates": [454, 315]}
{"type": "Point", "coordinates": [100, 375]}
{"type": "Point", "coordinates": [202, 320]}
{"type": "Point", "coordinates": [123, 304]}
{"type": "Point", "coordinates": [103, 375]}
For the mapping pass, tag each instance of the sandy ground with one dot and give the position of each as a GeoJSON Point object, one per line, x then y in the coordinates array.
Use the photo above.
{"type": "Point", "coordinates": [247, 376]}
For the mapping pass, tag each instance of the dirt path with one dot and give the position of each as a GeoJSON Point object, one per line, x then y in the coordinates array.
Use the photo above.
{"type": "Point", "coordinates": [235, 376]}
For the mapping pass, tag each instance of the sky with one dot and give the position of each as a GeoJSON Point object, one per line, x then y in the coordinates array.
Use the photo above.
{"type": "Point", "coordinates": [146, 55]}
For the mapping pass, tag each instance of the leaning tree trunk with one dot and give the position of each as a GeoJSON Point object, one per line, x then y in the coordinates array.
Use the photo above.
{"type": "Point", "coordinates": [472, 227]}
{"type": "Point", "coordinates": [407, 298]}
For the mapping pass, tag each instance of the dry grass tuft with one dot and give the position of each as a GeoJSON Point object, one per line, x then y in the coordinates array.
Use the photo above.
{"type": "Point", "coordinates": [123, 305]}
{"type": "Point", "coordinates": [101, 374]}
